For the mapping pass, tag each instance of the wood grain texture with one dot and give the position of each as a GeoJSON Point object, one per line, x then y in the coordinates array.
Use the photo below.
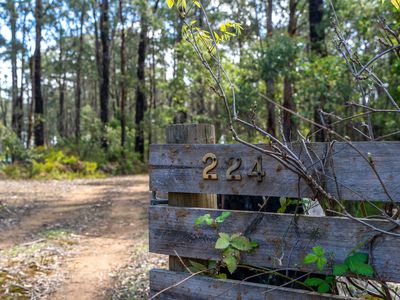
{"type": "Point", "coordinates": [282, 240]}
{"type": "Point", "coordinates": [189, 133]}
{"type": "Point", "coordinates": [178, 168]}
{"type": "Point", "coordinates": [204, 288]}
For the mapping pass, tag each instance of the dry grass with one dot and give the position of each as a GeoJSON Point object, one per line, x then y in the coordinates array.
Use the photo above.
{"type": "Point", "coordinates": [34, 270]}
{"type": "Point", "coordinates": [132, 281]}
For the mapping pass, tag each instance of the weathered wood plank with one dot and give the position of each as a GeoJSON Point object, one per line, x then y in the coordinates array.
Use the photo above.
{"type": "Point", "coordinates": [181, 134]}
{"type": "Point", "coordinates": [281, 242]}
{"type": "Point", "coordinates": [202, 287]}
{"type": "Point", "coordinates": [179, 168]}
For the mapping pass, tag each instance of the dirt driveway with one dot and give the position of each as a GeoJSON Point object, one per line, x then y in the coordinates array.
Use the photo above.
{"type": "Point", "coordinates": [101, 221]}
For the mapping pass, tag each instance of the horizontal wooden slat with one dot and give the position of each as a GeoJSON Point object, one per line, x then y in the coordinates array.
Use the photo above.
{"type": "Point", "coordinates": [281, 243]}
{"type": "Point", "coordinates": [203, 287]}
{"type": "Point", "coordinates": [178, 168]}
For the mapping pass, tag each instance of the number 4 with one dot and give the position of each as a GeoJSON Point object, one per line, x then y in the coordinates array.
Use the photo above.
{"type": "Point", "coordinates": [256, 170]}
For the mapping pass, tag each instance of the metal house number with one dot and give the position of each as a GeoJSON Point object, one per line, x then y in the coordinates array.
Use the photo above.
{"type": "Point", "coordinates": [232, 174]}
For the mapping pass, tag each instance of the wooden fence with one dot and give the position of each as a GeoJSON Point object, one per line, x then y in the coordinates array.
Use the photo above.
{"type": "Point", "coordinates": [192, 171]}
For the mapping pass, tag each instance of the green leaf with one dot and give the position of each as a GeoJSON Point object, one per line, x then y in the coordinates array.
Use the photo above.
{"type": "Point", "coordinates": [241, 243]}
{"type": "Point", "coordinates": [224, 235]}
{"type": "Point", "coordinates": [235, 235]}
{"type": "Point", "coordinates": [222, 217]}
{"type": "Point", "coordinates": [223, 242]}
{"type": "Point", "coordinates": [313, 281]}
{"type": "Point", "coordinates": [197, 3]}
{"type": "Point", "coordinates": [254, 244]}
{"type": "Point", "coordinates": [361, 268]}
{"type": "Point", "coordinates": [203, 219]}
{"type": "Point", "coordinates": [323, 287]}
{"type": "Point", "coordinates": [319, 251]}
{"type": "Point", "coordinates": [223, 27]}
{"type": "Point", "coordinates": [170, 3]}
{"type": "Point", "coordinates": [321, 263]}
{"type": "Point", "coordinates": [184, 5]}
{"type": "Point", "coordinates": [212, 264]}
{"type": "Point", "coordinates": [365, 269]}
{"type": "Point", "coordinates": [231, 263]}
{"type": "Point", "coordinates": [330, 279]}
{"type": "Point", "coordinates": [310, 259]}
{"type": "Point", "coordinates": [209, 221]}
{"type": "Point", "coordinates": [359, 257]}
{"type": "Point", "coordinates": [340, 269]}
{"type": "Point", "coordinates": [221, 276]}
{"type": "Point", "coordinates": [357, 264]}
{"type": "Point", "coordinates": [197, 266]}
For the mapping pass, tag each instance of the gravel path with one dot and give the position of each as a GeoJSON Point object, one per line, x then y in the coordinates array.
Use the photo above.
{"type": "Point", "coordinates": [105, 221]}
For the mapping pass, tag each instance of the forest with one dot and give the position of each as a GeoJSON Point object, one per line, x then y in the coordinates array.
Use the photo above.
{"type": "Point", "coordinates": [87, 85]}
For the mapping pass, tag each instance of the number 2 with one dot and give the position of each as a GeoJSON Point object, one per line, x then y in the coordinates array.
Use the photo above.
{"type": "Point", "coordinates": [235, 165]}
{"type": "Point", "coordinates": [209, 168]}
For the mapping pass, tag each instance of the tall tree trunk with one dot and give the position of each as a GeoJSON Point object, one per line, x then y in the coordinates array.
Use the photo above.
{"type": "Point", "coordinates": [20, 104]}
{"type": "Point", "coordinates": [16, 107]}
{"type": "Point", "coordinates": [141, 104]}
{"type": "Point", "coordinates": [317, 30]}
{"type": "Point", "coordinates": [62, 80]}
{"type": "Point", "coordinates": [78, 95]}
{"type": "Point", "coordinates": [153, 83]}
{"type": "Point", "coordinates": [270, 82]}
{"type": "Point", "coordinates": [105, 68]}
{"type": "Point", "coordinates": [288, 122]}
{"type": "Point", "coordinates": [317, 47]}
{"type": "Point", "coordinates": [123, 77]}
{"type": "Point", "coordinates": [31, 103]}
{"type": "Point", "coordinates": [37, 78]}
{"type": "Point", "coordinates": [97, 43]}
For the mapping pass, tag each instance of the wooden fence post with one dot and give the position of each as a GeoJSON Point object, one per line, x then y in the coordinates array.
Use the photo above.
{"type": "Point", "coordinates": [189, 134]}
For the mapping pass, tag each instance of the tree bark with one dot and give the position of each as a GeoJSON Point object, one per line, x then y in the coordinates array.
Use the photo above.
{"type": "Point", "coordinates": [123, 77]}
{"type": "Point", "coordinates": [62, 80]}
{"type": "Point", "coordinates": [20, 103]}
{"type": "Point", "coordinates": [317, 30]}
{"type": "Point", "coordinates": [78, 96]}
{"type": "Point", "coordinates": [37, 78]}
{"type": "Point", "coordinates": [141, 104]}
{"type": "Point", "coordinates": [317, 47]}
{"type": "Point", "coordinates": [31, 103]}
{"type": "Point", "coordinates": [105, 69]}
{"type": "Point", "coordinates": [16, 105]}
{"type": "Point", "coordinates": [288, 123]}
{"type": "Point", "coordinates": [270, 82]}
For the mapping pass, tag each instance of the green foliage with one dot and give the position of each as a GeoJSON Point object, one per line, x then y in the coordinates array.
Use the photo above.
{"type": "Point", "coordinates": [210, 221]}
{"type": "Point", "coordinates": [286, 202]}
{"type": "Point", "coordinates": [211, 270]}
{"type": "Point", "coordinates": [230, 245]}
{"type": "Point", "coordinates": [395, 3]}
{"type": "Point", "coordinates": [322, 285]}
{"type": "Point", "coordinates": [204, 219]}
{"type": "Point", "coordinates": [51, 164]}
{"type": "Point", "coordinates": [357, 263]}
{"type": "Point", "coordinates": [10, 145]}
{"type": "Point", "coordinates": [57, 164]}
{"type": "Point", "coordinates": [278, 55]}
{"type": "Point", "coordinates": [317, 257]}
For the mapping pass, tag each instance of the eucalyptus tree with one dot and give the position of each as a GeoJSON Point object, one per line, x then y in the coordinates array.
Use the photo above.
{"type": "Point", "coordinates": [39, 117]}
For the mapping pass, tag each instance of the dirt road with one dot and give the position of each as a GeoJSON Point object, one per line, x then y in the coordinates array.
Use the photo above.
{"type": "Point", "coordinates": [104, 217]}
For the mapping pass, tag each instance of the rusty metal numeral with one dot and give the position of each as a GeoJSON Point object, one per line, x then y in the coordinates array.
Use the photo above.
{"type": "Point", "coordinates": [209, 168]}
{"type": "Point", "coordinates": [256, 170]}
{"type": "Point", "coordinates": [237, 162]}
